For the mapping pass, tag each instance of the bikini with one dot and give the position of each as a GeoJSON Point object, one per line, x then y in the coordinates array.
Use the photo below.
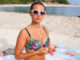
{"type": "Point", "coordinates": [35, 44]}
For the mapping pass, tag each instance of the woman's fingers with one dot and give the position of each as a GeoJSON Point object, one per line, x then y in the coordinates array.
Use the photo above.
{"type": "Point", "coordinates": [56, 46]}
{"type": "Point", "coordinates": [43, 51]}
{"type": "Point", "coordinates": [54, 49]}
{"type": "Point", "coordinates": [51, 50]}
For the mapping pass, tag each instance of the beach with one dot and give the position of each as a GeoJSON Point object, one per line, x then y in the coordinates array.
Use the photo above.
{"type": "Point", "coordinates": [61, 29]}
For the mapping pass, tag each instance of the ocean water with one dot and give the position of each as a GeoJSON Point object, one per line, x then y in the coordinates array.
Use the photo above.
{"type": "Point", "coordinates": [59, 11]}
{"type": "Point", "coordinates": [74, 2]}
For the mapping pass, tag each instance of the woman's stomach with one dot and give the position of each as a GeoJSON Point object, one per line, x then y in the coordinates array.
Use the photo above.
{"type": "Point", "coordinates": [34, 57]}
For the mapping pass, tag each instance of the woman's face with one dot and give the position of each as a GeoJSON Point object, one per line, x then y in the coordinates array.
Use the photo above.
{"type": "Point", "coordinates": [37, 13]}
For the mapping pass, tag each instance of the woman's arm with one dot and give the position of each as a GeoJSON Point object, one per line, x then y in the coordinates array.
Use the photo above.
{"type": "Point", "coordinates": [21, 41]}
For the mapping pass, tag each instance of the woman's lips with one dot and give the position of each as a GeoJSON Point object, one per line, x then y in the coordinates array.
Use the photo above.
{"type": "Point", "coordinates": [37, 18]}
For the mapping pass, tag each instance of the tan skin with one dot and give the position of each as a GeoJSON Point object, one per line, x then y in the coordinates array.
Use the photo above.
{"type": "Point", "coordinates": [37, 32]}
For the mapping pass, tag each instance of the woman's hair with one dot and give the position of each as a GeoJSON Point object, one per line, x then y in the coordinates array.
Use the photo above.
{"type": "Point", "coordinates": [37, 3]}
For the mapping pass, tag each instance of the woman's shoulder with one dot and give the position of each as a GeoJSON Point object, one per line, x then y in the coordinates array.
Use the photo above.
{"type": "Point", "coordinates": [46, 28]}
{"type": "Point", "coordinates": [23, 32]}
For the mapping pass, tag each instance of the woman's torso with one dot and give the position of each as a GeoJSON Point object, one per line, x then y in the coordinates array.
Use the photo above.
{"type": "Point", "coordinates": [42, 41]}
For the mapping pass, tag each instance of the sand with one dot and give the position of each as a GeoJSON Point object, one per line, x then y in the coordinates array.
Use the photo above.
{"type": "Point", "coordinates": [61, 29]}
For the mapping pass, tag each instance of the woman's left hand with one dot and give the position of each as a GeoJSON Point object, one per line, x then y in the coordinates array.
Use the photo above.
{"type": "Point", "coordinates": [51, 50]}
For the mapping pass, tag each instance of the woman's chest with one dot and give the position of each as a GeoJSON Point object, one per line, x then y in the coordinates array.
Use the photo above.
{"type": "Point", "coordinates": [39, 35]}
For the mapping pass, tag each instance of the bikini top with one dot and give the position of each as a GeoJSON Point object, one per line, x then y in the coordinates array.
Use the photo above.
{"type": "Point", "coordinates": [35, 44]}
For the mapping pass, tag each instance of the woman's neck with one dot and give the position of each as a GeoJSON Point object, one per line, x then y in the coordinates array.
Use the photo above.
{"type": "Point", "coordinates": [36, 25]}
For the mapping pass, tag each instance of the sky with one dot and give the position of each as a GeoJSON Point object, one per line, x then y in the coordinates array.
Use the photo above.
{"type": "Point", "coordinates": [74, 2]}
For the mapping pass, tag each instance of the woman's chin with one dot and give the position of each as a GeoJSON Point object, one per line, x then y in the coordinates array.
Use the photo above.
{"type": "Point", "coordinates": [38, 21]}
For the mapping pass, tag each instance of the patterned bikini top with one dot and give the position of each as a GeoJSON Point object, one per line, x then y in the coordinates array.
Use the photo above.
{"type": "Point", "coordinates": [35, 44]}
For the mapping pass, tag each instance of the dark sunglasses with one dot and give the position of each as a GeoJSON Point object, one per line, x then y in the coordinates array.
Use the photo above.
{"type": "Point", "coordinates": [36, 12]}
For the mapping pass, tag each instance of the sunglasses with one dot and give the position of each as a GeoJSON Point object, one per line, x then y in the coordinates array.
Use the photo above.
{"type": "Point", "coordinates": [36, 12]}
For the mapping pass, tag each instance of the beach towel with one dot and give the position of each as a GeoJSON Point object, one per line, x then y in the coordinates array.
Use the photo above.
{"type": "Point", "coordinates": [64, 52]}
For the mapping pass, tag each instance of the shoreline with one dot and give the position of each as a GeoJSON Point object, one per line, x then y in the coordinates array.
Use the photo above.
{"type": "Point", "coordinates": [46, 15]}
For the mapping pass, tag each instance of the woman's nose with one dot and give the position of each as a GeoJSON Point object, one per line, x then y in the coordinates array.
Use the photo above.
{"type": "Point", "coordinates": [38, 14]}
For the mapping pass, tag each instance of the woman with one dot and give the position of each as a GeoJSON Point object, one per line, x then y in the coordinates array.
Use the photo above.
{"type": "Point", "coordinates": [35, 38]}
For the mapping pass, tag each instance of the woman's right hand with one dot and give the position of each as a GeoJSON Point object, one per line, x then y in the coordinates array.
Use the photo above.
{"type": "Point", "coordinates": [42, 51]}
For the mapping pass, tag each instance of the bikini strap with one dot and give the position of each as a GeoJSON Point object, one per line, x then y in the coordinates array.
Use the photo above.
{"type": "Point", "coordinates": [28, 32]}
{"type": "Point", "coordinates": [45, 30]}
